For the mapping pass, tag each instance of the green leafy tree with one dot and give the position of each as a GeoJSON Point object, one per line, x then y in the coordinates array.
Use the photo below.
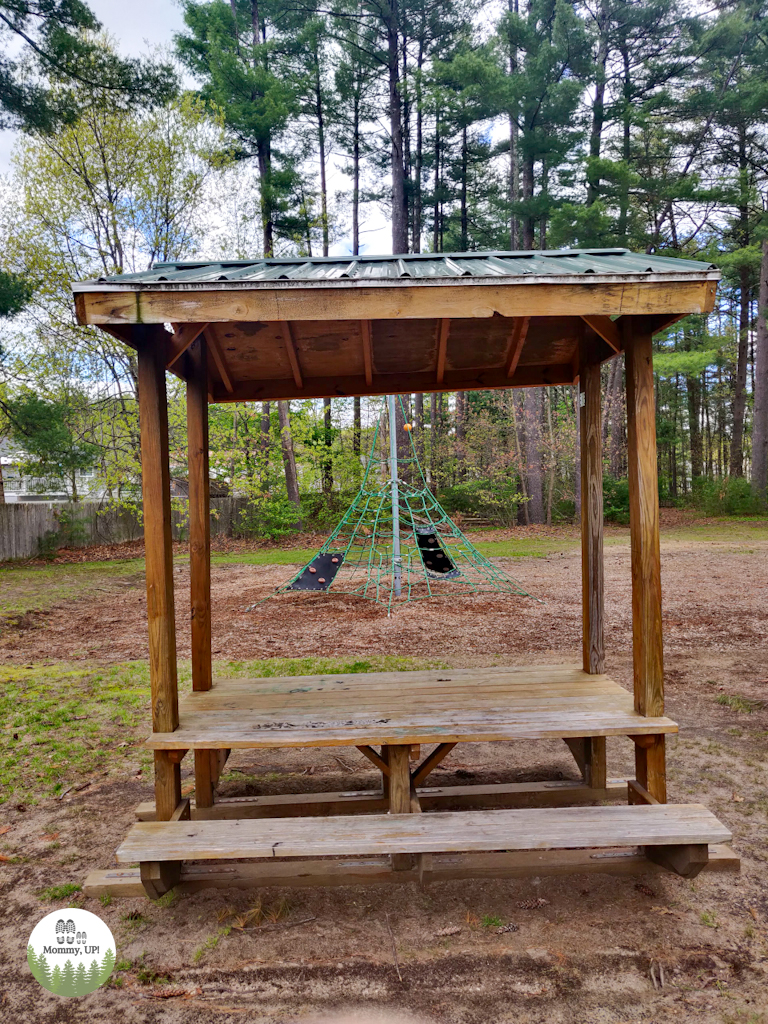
{"type": "Point", "coordinates": [52, 450]}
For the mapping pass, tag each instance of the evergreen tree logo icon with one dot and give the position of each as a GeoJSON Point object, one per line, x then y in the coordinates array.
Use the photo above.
{"type": "Point", "coordinates": [73, 954]}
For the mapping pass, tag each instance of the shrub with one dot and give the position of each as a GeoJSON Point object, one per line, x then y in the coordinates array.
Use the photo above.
{"type": "Point", "coordinates": [616, 500]}
{"type": "Point", "coordinates": [731, 496]}
{"type": "Point", "coordinates": [495, 500]}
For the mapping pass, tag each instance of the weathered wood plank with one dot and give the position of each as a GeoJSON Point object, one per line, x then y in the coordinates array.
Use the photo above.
{"type": "Point", "coordinates": [366, 333]}
{"type": "Point", "coordinates": [441, 832]}
{"type": "Point", "coordinates": [547, 297]}
{"type": "Point", "coordinates": [512, 794]}
{"type": "Point", "coordinates": [218, 357]}
{"type": "Point", "coordinates": [126, 882]}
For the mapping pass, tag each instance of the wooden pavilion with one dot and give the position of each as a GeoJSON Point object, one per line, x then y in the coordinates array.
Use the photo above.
{"type": "Point", "coordinates": [291, 328]}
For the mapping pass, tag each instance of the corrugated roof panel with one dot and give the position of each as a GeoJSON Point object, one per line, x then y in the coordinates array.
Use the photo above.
{"type": "Point", "coordinates": [418, 266]}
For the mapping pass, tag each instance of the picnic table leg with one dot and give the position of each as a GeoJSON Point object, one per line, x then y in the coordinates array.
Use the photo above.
{"type": "Point", "coordinates": [400, 794]}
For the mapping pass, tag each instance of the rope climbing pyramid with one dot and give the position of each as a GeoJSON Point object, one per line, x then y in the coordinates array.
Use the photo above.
{"type": "Point", "coordinates": [396, 542]}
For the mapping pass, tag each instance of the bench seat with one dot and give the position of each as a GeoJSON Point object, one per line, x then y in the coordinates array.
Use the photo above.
{"type": "Point", "coordinates": [548, 828]}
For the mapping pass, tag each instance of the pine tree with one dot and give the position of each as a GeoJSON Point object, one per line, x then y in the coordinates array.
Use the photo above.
{"type": "Point", "coordinates": [94, 976]}
{"type": "Point", "coordinates": [231, 50]}
{"type": "Point", "coordinates": [56, 979]}
{"type": "Point", "coordinates": [107, 964]}
{"type": "Point", "coordinates": [67, 984]}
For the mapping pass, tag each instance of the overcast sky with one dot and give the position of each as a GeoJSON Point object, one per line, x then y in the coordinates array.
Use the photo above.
{"type": "Point", "coordinates": [139, 25]}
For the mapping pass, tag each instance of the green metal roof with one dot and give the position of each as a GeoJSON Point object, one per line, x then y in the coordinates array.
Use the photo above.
{"type": "Point", "coordinates": [420, 266]}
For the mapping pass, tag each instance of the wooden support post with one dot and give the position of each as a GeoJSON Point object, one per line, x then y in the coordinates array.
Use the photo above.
{"type": "Point", "coordinates": [593, 602]}
{"type": "Point", "coordinates": [400, 795]}
{"type": "Point", "coordinates": [204, 777]}
{"type": "Point", "coordinates": [385, 775]}
{"type": "Point", "coordinates": [199, 514]}
{"type": "Point", "coordinates": [647, 646]}
{"type": "Point", "coordinates": [650, 768]}
{"type": "Point", "coordinates": [591, 753]}
{"type": "Point", "coordinates": [687, 859]}
{"type": "Point", "coordinates": [156, 493]}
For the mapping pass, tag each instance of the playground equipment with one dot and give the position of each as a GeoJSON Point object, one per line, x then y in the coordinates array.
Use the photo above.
{"type": "Point", "coordinates": [396, 541]}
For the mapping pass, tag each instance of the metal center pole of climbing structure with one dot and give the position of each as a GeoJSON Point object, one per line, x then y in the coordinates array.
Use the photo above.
{"type": "Point", "coordinates": [396, 559]}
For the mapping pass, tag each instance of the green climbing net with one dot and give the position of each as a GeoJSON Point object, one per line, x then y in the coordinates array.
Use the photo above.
{"type": "Point", "coordinates": [436, 559]}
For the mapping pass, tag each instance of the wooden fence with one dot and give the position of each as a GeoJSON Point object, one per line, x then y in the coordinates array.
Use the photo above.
{"type": "Point", "coordinates": [28, 529]}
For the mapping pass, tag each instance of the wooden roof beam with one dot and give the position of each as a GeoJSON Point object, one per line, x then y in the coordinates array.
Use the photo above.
{"type": "Point", "coordinates": [366, 331]}
{"type": "Point", "coordinates": [606, 329]}
{"type": "Point", "coordinates": [290, 351]}
{"type": "Point", "coordinates": [517, 340]}
{"type": "Point", "coordinates": [444, 329]}
{"type": "Point", "coordinates": [183, 336]}
{"type": "Point", "coordinates": [218, 358]}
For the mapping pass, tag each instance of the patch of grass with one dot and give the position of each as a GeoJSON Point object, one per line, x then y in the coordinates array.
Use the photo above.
{"type": "Point", "coordinates": [210, 943]}
{"type": "Point", "coordinates": [26, 588]}
{"type": "Point", "coordinates": [65, 723]}
{"type": "Point", "coordinates": [709, 919]}
{"type": "Point", "coordinates": [59, 892]}
{"type": "Point", "coordinates": [105, 899]}
{"type": "Point", "coordinates": [527, 547]}
{"type": "Point", "coordinates": [490, 921]}
{"type": "Point", "coordinates": [167, 899]}
{"type": "Point", "coordinates": [735, 702]}
{"type": "Point", "coordinates": [264, 556]}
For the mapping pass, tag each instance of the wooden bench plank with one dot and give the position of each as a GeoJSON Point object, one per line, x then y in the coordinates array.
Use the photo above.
{"type": "Point", "coordinates": [119, 882]}
{"type": "Point", "coordinates": [440, 832]}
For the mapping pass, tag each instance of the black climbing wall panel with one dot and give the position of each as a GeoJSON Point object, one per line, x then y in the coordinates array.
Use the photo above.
{"type": "Point", "coordinates": [320, 573]}
{"type": "Point", "coordinates": [433, 554]}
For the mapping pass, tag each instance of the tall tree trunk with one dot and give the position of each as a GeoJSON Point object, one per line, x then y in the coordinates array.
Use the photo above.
{"type": "Point", "coordinates": [399, 208]}
{"type": "Point", "coordinates": [529, 221]}
{"type": "Point", "coordinates": [264, 442]}
{"type": "Point", "coordinates": [740, 391]}
{"type": "Point", "coordinates": [514, 158]}
{"type": "Point", "coordinates": [321, 144]}
{"type": "Point", "coordinates": [461, 451]}
{"type": "Point", "coordinates": [626, 143]}
{"type": "Point", "coordinates": [356, 178]}
{"type": "Point", "coordinates": [289, 458]}
{"type": "Point", "coordinates": [693, 391]}
{"type": "Point", "coordinates": [533, 453]}
{"type": "Point", "coordinates": [418, 162]}
{"type": "Point", "coordinates": [760, 415]}
{"type": "Point", "coordinates": [437, 208]}
{"type": "Point", "coordinates": [523, 512]}
{"type": "Point", "coordinates": [2, 486]}
{"type": "Point", "coordinates": [328, 453]}
{"type": "Point", "coordinates": [357, 428]}
{"type": "Point", "coordinates": [464, 214]}
{"type": "Point", "coordinates": [434, 439]}
{"type": "Point", "coordinates": [617, 422]}
{"type": "Point", "coordinates": [418, 427]}
{"type": "Point", "coordinates": [598, 105]}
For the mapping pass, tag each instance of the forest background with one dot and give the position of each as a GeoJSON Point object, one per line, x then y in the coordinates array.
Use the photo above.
{"type": "Point", "coordinates": [540, 124]}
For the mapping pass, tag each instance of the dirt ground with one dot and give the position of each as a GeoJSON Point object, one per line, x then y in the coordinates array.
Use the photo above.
{"type": "Point", "coordinates": [595, 949]}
